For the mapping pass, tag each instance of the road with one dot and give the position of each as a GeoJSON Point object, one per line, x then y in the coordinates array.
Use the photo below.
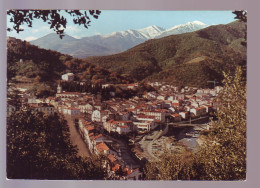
{"type": "Point", "coordinates": [125, 153]}
{"type": "Point", "coordinates": [76, 139]}
{"type": "Point", "coordinates": [147, 145]}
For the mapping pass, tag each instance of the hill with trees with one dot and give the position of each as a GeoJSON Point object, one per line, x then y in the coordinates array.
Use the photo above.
{"type": "Point", "coordinates": [185, 59]}
{"type": "Point", "coordinates": [43, 68]}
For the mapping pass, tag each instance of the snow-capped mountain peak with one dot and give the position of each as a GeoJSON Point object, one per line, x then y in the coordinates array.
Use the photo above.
{"type": "Point", "coordinates": [183, 28]}
{"type": "Point", "coordinates": [198, 23]}
{"type": "Point", "coordinates": [115, 42]}
{"type": "Point", "coordinates": [151, 31]}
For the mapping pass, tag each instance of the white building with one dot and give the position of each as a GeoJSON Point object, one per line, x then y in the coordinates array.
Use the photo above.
{"type": "Point", "coordinates": [158, 113]}
{"type": "Point", "coordinates": [43, 107]}
{"type": "Point", "coordinates": [145, 125]}
{"type": "Point", "coordinates": [123, 129]}
{"type": "Point", "coordinates": [184, 115]}
{"type": "Point", "coordinates": [71, 111]}
{"type": "Point", "coordinates": [97, 115]}
{"type": "Point", "coordinates": [86, 108]}
{"type": "Point", "coordinates": [124, 126]}
{"type": "Point", "coordinates": [10, 109]}
{"type": "Point", "coordinates": [198, 111]}
{"type": "Point", "coordinates": [68, 77]}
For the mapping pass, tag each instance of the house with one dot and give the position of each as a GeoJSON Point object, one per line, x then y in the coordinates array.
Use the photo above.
{"type": "Point", "coordinates": [51, 100]}
{"type": "Point", "coordinates": [71, 111]}
{"type": "Point", "coordinates": [144, 125]}
{"type": "Point", "coordinates": [112, 158]}
{"type": "Point", "coordinates": [167, 104]}
{"type": "Point", "coordinates": [176, 117]}
{"type": "Point", "coordinates": [141, 117]}
{"type": "Point", "coordinates": [104, 148]}
{"type": "Point", "coordinates": [158, 113]}
{"type": "Point", "coordinates": [184, 115]}
{"type": "Point", "coordinates": [132, 110]}
{"type": "Point", "coordinates": [94, 139]}
{"type": "Point", "coordinates": [133, 174]}
{"type": "Point", "coordinates": [85, 127]}
{"type": "Point", "coordinates": [179, 96]}
{"type": "Point", "coordinates": [123, 129]}
{"type": "Point", "coordinates": [109, 125]}
{"type": "Point", "coordinates": [124, 116]}
{"type": "Point", "coordinates": [171, 98]}
{"type": "Point", "coordinates": [124, 126]}
{"type": "Point", "coordinates": [97, 115]}
{"type": "Point", "coordinates": [105, 86]}
{"type": "Point", "coordinates": [10, 109]}
{"type": "Point", "coordinates": [86, 108]}
{"type": "Point", "coordinates": [172, 110]}
{"type": "Point", "coordinates": [132, 86]}
{"type": "Point", "coordinates": [42, 107]}
{"type": "Point", "coordinates": [195, 104]}
{"type": "Point", "coordinates": [68, 77]}
{"type": "Point", "coordinates": [176, 104]}
{"type": "Point", "coordinates": [151, 95]}
{"type": "Point", "coordinates": [32, 100]}
{"type": "Point", "coordinates": [200, 111]}
{"type": "Point", "coordinates": [162, 97]}
{"type": "Point", "coordinates": [209, 108]}
{"type": "Point", "coordinates": [145, 122]}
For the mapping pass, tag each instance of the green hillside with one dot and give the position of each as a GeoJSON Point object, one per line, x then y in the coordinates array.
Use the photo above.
{"type": "Point", "coordinates": [42, 68]}
{"type": "Point", "coordinates": [186, 59]}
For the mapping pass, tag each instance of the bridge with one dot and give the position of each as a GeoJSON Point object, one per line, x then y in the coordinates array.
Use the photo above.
{"type": "Point", "coordinates": [190, 120]}
{"type": "Point", "coordinates": [189, 123]}
{"type": "Point", "coordinates": [203, 126]}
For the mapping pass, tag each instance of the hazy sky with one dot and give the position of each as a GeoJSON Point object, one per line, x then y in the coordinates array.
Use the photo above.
{"type": "Point", "coordinates": [110, 21]}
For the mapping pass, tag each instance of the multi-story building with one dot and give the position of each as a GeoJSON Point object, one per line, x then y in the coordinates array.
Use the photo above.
{"type": "Point", "coordinates": [68, 77]}
{"type": "Point", "coordinates": [42, 107]}
{"type": "Point", "coordinates": [158, 113]}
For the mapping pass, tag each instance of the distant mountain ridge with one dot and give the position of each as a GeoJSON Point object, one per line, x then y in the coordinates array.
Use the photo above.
{"type": "Point", "coordinates": [112, 43]}
{"type": "Point", "coordinates": [189, 59]}
{"type": "Point", "coordinates": [183, 28]}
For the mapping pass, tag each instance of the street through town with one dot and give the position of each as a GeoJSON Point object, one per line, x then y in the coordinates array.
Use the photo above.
{"type": "Point", "coordinates": [76, 139]}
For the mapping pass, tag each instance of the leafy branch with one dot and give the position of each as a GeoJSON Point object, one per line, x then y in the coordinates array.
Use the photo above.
{"type": "Point", "coordinates": [54, 18]}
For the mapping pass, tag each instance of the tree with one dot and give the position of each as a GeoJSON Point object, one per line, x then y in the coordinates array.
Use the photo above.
{"type": "Point", "coordinates": [54, 18]}
{"type": "Point", "coordinates": [39, 147]}
{"type": "Point", "coordinates": [223, 155]}
{"type": "Point", "coordinates": [242, 16]}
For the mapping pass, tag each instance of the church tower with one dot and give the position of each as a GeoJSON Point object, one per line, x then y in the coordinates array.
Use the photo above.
{"type": "Point", "coordinates": [59, 88]}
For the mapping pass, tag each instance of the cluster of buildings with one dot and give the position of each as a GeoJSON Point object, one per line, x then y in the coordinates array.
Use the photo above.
{"type": "Point", "coordinates": [167, 103]}
{"type": "Point", "coordinates": [99, 143]}
{"type": "Point", "coordinates": [138, 114]}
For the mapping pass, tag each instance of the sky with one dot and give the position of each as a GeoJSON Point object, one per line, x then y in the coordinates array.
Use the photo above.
{"type": "Point", "coordinates": [120, 20]}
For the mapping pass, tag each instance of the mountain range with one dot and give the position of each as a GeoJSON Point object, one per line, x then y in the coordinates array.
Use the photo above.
{"type": "Point", "coordinates": [185, 59]}
{"type": "Point", "coordinates": [113, 43]}
{"type": "Point", "coordinates": [188, 59]}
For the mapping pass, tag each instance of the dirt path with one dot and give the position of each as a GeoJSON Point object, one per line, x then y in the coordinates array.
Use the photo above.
{"type": "Point", "coordinates": [76, 139]}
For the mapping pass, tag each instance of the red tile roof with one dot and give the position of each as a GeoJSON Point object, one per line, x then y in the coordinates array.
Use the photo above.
{"type": "Point", "coordinates": [116, 168]}
{"type": "Point", "coordinates": [102, 147]}
{"type": "Point", "coordinates": [111, 157]}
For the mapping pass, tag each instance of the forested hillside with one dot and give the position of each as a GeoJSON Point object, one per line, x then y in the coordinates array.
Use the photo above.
{"type": "Point", "coordinates": [185, 59]}
{"type": "Point", "coordinates": [43, 68]}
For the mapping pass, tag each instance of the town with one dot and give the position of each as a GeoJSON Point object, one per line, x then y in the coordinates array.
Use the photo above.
{"type": "Point", "coordinates": [127, 131]}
